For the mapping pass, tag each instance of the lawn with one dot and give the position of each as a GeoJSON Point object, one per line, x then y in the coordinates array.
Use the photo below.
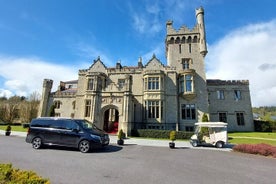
{"type": "Point", "coordinates": [252, 138]}
{"type": "Point", "coordinates": [14, 128]}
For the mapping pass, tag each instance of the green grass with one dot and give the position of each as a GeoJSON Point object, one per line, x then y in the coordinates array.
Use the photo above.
{"type": "Point", "coordinates": [14, 128]}
{"type": "Point", "coordinates": [252, 138]}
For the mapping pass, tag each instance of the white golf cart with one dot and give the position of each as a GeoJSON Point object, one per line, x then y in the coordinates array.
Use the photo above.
{"type": "Point", "coordinates": [210, 133]}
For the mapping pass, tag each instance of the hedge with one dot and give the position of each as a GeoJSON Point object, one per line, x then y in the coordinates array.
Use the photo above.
{"type": "Point", "coordinates": [160, 134]}
{"type": "Point", "coordinates": [10, 175]}
{"type": "Point", "coordinates": [265, 126]}
{"type": "Point", "coordinates": [259, 149]}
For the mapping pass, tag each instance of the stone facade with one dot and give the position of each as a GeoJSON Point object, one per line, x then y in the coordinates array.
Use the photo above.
{"type": "Point", "coordinates": [154, 96]}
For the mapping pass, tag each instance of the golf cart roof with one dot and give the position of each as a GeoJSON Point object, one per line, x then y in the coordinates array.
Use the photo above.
{"type": "Point", "coordinates": [211, 124]}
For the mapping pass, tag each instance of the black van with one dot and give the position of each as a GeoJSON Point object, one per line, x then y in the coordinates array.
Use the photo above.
{"type": "Point", "coordinates": [78, 133]}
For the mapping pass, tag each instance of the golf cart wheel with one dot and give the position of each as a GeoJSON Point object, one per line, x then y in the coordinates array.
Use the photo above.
{"type": "Point", "coordinates": [219, 144]}
{"type": "Point", "coordinates": [84, 146]}
{"type": "Point", "coordinates": [194, 144]}
{"type": "Point", "coordinates": [37, 143]}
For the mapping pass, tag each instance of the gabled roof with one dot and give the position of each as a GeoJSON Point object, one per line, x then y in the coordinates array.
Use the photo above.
{"type": "Point", "coordinates": [154, 64]}
{"type": "Point", "coordinates": [97, 66]}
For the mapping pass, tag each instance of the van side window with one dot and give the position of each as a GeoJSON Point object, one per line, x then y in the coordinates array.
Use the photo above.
{"type": "Point", "coordinates": [41, 123]}
{"type": "Point", "coordinates": [57, 124]}
{"type": "Point", "coordinates": [71, 125]}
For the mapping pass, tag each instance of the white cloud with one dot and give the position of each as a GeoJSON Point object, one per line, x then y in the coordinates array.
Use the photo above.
{"type": "Point", "coordinates": [247, 53]}
{"type": "Point", "coordinates": [23, 76]}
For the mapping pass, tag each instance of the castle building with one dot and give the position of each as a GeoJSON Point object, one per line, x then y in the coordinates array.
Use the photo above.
{"type": "Point", "coordinates": [154, 96]}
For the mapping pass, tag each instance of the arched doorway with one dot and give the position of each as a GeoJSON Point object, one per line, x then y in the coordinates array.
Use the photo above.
{"type": "Point", "coordinates": [111, 120]}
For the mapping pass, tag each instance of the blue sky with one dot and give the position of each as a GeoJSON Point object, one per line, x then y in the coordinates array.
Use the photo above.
{"type": "Point", "coordinates": [54, 39]}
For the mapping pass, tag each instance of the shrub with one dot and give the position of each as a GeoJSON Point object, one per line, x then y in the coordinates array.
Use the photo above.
{"type": "Point", "coordinates": [259, 149]}
{"type": "Point", "coordinates": [173, 135]}
{"type": "Point", "coordinates": [160, 134]}
{"type": "Point", "coordinates": [265, 126]}
{"type": "Point", "coordinates": [205, 118]}
{"type": "Point", "coordinates": [121, 135]}
{"type": "Point", "coordinates": [9, 175]}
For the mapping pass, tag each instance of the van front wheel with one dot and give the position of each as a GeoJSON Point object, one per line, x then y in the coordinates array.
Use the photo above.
{"type": "Point", "coordinates": [219, 144]}
{"type": "Point", "coordinates": [37, 143]}
{"type": "Point", "coordinates": [84, 146]}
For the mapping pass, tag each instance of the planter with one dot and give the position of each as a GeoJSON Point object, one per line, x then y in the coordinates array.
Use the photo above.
{"type": "Point", "coordinates": [172, 145]}
{"type": "Point", "coordinates": [8, 133]}
{"type": "Point", "coordinates": [120, 142]}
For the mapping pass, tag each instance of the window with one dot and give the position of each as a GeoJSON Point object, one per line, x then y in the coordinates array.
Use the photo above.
{"type": "Point", "coordinates": [220, 94]}
{"type": "Point", "coordinates": [237, 95]}
{"type": "Point", "coordinates": [87, 108]}
{"type": "Point", "coordinates": [240, 119]}
{"type": "Point", "coordinates": [188, 111]}
{"type": "Point", "coordinates": [190, 48]}
{"type": "Point", "coordinates": [222, 117]}
{"type": "Point", "coordinates": [90, 85]}
{"type": "Point", "coordinates": [180, 49]}
{"type": "Point", "coordinates": [185, 63]}
{"type": "Point", "coordinates": [154, 109]}
{"type": "Point", "coordinates": [186, 83]}
{"type": "Point", "coordinates": [121, 83]}
{"type": "Point", "coordinates": [153, 83]}
{"type": "Point", "coordinates": [74, 104]}
{"type": "Point", "coordinates": [57, 104]}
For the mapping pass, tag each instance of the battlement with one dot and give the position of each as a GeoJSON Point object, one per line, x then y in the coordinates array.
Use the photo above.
{"type": "Point", "coordinates": [215, 82]}
{"type": "Point", "coordinates": [47, 83]}
{"type": "Point", "coordinates": [184, 30]}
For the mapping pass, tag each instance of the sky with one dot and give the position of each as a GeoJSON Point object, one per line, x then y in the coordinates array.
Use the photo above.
{"type": "Point", "coordinates": [54, 39]}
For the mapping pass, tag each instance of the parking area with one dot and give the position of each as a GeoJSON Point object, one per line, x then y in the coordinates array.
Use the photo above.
{"type": "Point", "coordinates": [133, 163]}
{"type": "Point", "coordinates": [145, 142]}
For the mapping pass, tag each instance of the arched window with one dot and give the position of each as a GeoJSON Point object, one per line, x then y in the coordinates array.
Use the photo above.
{"type": "Point", "coordinates": [189, 39]}
{"type": "Point", "coordinates": [177, 40]}
{"type": "Point", "coordinates": [171, 40]}
{"type": "Point", "coordinates": [195, 40]}
{"type": "Point", "coordinates": [183, 40]}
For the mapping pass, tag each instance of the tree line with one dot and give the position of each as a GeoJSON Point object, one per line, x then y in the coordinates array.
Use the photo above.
{"type": "Point", "coordinates": [265, 112]}
{"type": "Point", "coordinates": [19, 109]}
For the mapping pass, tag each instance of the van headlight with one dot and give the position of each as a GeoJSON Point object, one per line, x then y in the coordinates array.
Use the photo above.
{"type": "Point", "coordinates": [98, 138]}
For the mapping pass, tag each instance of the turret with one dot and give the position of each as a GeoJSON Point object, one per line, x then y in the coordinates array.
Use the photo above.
{"type": "Point", "coordinates": [201, 25]}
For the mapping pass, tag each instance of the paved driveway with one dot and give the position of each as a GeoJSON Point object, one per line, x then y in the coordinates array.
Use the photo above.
{"type": "Point", "coordinates": [135, 164]}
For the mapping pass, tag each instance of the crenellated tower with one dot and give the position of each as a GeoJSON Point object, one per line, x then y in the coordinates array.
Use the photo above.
{"type": "Point", "coordinates": [46, 91]}
{"type": "Point", "coordinates": [185, 51]}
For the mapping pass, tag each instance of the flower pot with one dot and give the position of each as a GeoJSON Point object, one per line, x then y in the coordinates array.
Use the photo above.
{"type": "Point", "coordinates": [8, 133]}
{"type": "Point", "coordinates": [120, 142]}
{"type": "Point", "coordinates": [172, 145]}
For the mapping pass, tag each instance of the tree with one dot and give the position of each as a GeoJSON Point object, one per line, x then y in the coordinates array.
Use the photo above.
{"type": "Point", "coordinates": [205, 118]}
